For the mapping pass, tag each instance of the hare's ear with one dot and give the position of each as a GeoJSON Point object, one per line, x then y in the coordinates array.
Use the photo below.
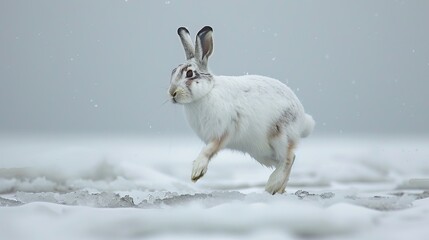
{"type": "Point", "coordinates": [186, 40]}
{"type": "Point", "coordinates": [204, 45]}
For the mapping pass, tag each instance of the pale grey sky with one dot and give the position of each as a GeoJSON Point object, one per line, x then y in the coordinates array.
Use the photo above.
{"type": "Point", "coordinates": [104, 66]}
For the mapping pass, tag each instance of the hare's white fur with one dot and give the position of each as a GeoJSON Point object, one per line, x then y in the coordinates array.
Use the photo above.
{"type": "Point", "coordinates": [246, 108]}
{"type": "Point", "coordinates": [254, 114]}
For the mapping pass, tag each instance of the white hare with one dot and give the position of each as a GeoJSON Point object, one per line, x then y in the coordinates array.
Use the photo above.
{"type": "Point", "coordinates": [253, 114]}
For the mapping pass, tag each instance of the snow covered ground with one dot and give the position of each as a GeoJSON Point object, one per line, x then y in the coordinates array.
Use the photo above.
{"type": "Point", "coordinates": [139, 188]}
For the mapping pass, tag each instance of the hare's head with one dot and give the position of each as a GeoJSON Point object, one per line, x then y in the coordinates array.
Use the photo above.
{"type": "Point", "coordinates": [191, 80]}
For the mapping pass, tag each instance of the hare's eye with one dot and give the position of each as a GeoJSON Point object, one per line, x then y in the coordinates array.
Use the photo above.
{"type": "Point", "coordinates": [189, 73]}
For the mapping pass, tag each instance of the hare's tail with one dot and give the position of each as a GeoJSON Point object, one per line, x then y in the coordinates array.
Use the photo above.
{"type": "Point", "coordinates": [307, 126]}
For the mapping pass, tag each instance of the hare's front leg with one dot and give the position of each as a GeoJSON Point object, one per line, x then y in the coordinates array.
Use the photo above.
{"type": "Point", "coordinates": [202, 161]}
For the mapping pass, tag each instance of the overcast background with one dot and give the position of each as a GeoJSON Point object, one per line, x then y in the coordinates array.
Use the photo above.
{"type": "Point", "coordinates": [104, 66]}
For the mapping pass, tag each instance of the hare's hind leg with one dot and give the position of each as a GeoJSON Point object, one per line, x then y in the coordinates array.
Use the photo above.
{"type": "Point", "coordinates": [279, 178]}
{"type": "Point", "coordinates": [283, 189]}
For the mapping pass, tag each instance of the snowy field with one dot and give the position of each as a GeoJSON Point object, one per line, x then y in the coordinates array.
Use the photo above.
{"type": "Point", "coordinates": [139, 188]}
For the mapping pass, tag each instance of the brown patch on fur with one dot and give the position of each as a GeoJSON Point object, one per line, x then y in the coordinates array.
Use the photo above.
{"type": "Point", "coordinates": [285, 119]}
{"type": "Point", "coordinates": [216, 145]}
{"type": "Point", "coordinates": [288, 116]}
{"type": "Point", "coordinates": [290, 155]}
{"type": "Point", "coordinates": [275, 131]}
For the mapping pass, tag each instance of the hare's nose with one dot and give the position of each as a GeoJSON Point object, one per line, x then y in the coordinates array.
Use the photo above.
{"type": "Point", "coordinates": [172, 91]}
{"type": "Point", "coordinates": [174, 96]}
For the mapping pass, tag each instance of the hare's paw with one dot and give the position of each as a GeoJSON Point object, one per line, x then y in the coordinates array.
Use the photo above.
{"type": "Point", "coordinates": [277, 182]}
{"type": "Point", "coordinates": [199, 168]}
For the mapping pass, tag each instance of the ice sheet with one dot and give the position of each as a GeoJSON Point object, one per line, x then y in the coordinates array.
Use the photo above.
{"type": "Point", "coordinates": [129, 187]}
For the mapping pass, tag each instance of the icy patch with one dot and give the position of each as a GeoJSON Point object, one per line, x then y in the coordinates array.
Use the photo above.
{"type": "Point", "coordinates": [304, 194]}
{"type": "Point", "coordinates": [83, 198]}
{"type": "Point", "coordinates": [113, 200]}
{"type": "Point", "coordinates": [151, 200]}
{"type": "Point", "coordinates": [9, 203]}
{"type": "Point", "coordinates": [382, 203]}
{"type": "Point", "coordinates": [204, 199]}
